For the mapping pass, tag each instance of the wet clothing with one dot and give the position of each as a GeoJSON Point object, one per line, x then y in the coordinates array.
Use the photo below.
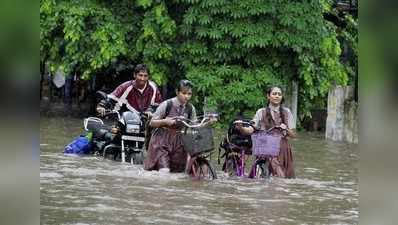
{"type": "Point", "coordinates": [136, 99]}
{"type": "Point", "coordinates": [165, 147]}
{"type": "Point", "coordinates": [266, 118]}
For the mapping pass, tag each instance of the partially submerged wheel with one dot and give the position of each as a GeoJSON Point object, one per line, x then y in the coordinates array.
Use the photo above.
{"type": "Point", "coordinates": [262, 170]}
{"type": "Point", "coordinates": [231, 165]}
{"type": "Point", "coordinates": [201, 169]}
{"type": "Point", "coordinates": [137, 158]}
{"type": "Point", "coordinates": [112, 152]}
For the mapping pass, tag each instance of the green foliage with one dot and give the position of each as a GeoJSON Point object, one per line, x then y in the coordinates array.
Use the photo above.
{"type": "Point", "coordinates": [85, 36]}
{"type": "Point", "coordinates": [155, 40]}
{"type": "Point", "coordinates": [234, 49]}
{"type": "Point", "coordinates": [350, 36]}
{"type": "Point", "coordinates": [231, 50]}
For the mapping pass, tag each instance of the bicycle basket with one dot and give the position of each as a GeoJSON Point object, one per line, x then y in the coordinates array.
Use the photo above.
{"type": "Point", "coordinates": [198, 140]}
{"type": "Point", "coordinates": [265, 143]}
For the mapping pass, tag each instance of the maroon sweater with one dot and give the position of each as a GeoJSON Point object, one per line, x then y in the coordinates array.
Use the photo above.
{"type": "Point", "coordinates": [128, 94]}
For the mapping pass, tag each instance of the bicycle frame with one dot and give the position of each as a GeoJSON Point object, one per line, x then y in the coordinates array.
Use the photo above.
{"type": "Point", "coordinates": [239, 160]}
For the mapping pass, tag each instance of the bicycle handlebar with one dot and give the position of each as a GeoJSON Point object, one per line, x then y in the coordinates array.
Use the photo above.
{"type": "Point", "coordinates": [243, 122]}
{"type": "Point", "coordinates": [251, 124]}
{"type": "Point", "coordinates": [186, 122]}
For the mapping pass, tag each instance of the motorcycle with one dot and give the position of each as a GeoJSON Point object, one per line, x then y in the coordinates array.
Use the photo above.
{"type": "Point", "coordinates": [120, 136]}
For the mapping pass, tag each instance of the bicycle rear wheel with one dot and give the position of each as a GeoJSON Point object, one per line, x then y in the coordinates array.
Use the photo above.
{"type": "Point", "coordinates": [201, 169]}
{"type": "Point", "coordinates": [231, 165]}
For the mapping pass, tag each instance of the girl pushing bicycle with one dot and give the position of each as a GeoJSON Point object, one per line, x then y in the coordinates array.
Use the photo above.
{"type": "Point", "coordinates": [166, 150]}
{"type": "Point", "coordinates": [278, 121]}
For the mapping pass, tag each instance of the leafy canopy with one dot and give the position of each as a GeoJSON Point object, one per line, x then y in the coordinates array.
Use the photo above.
{"type": "Point", "coordinates": [231, 50]}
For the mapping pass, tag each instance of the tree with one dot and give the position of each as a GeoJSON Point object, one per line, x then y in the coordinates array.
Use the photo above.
{"type": "Point", "coordinates": [231, 50]}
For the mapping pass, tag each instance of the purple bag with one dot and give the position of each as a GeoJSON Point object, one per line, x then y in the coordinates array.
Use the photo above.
{"type": "Point", "coordinates": [265, 143]}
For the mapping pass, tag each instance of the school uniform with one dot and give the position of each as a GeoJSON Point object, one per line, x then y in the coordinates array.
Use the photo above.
{"type": "Point", "coordinates": [266, 118]}
{"type": "Point", "coordinates": [165, 148]}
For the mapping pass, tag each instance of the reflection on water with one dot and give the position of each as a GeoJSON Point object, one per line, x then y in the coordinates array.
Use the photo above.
{"type": "Point", "coordinates": [89, 190]}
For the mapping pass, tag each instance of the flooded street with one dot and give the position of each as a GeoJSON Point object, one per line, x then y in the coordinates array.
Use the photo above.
{"type": "Point", "coordinates": [89, 190]}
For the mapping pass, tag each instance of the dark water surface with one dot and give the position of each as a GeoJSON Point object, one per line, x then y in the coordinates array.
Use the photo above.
{"type": "Point", "coordinates": [89, 190]}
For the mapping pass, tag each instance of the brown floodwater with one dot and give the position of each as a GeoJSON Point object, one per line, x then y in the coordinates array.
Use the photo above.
{"type": "Point", "coordinates": [89, 190]}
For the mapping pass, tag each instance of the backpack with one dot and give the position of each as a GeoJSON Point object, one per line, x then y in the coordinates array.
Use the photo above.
{"type": "Point", "coordinates": [235, 138]}
{"type": "Point", "coordinates": [188, 109]}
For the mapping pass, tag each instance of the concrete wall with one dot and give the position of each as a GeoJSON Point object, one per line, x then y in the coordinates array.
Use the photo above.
{"type": "Point", "coordinates": [342, 119]}
{"type": "Point", "coordinates": [291, 98]}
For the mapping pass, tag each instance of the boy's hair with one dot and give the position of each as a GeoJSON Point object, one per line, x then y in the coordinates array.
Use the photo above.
{"type": "Point", "coordinates": [141, 67]}
{"type": "Point", "coordinates": [184, 84]}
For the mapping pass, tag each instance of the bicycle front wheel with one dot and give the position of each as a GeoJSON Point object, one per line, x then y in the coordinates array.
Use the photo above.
{"type": "Point", "coordinates": [137, 158]}
{"type": "Point", "coordinates": [202, 170]}
{"type": "Point", "coordinates": [261, 168]}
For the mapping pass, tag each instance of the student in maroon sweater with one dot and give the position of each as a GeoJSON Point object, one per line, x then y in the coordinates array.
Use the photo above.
{"type": "Point", "coordinates": [135, 95]}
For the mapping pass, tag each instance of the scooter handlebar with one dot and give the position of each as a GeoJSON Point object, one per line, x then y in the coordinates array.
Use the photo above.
{"type": "Point", "coordinates": [111, 112]}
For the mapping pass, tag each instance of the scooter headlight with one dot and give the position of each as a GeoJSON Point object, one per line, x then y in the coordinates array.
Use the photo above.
{"type": "Point", "coordinates": [132, 128]}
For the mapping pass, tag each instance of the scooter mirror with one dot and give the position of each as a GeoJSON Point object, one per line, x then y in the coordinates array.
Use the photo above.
{"type": "Point", "coordinates": [100, 95]}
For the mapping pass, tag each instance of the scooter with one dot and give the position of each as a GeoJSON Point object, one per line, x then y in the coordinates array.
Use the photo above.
{"type": "Point", "coordinates": [120, 136]}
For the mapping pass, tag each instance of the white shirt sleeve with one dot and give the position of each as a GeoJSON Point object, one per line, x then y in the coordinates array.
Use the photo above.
{"type": "Point", "coordinates": [257, 118]}
{"type": "Point", "coordinates": [160, 111]}
{"type": "Point", "coordinates": [291, 124]}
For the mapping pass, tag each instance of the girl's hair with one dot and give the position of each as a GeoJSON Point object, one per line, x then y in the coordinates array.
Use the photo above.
{"type": "Point", "coordinates": [141, 67]}
{"type": "Point", "coordinates": [269, 89]}
{"type": "Point", "coordinates": [282, 115]}
{"type": "Point", "coordinates": [184, 84]}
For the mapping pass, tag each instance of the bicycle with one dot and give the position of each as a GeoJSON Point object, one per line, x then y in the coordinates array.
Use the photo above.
{"type": "Point", "coordinates": [236, 147]}
{"type": "Point", "coordinates": [265, 145]}
{"type": "Point", "coordinates": [198, 142]}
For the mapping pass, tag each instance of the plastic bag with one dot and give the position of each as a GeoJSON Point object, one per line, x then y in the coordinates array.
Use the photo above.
{"type": "Point", "coordinates": [80, 145]}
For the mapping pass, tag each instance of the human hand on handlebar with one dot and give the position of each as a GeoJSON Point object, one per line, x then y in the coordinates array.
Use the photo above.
{"type": "Point", "coordinates": [212, 119]}
{"type": "Point", "coordinates": [101, 111]}
{"type": "Point", "coordinates": [244, 127]}
{"type": "Point", "coordinates": [238, 123]}
{"type": "Point", "coordinates": [283, 126]}
{"type": "Point", "coordinates": [169, 121]}
{"type": "Point", "coordinates": [148, 114]}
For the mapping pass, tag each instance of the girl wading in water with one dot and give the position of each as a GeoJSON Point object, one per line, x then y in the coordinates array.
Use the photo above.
{"type": "Point", "coordinates": [166, 151]}
{"type": "Point", "coordinates": [276, 115]}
